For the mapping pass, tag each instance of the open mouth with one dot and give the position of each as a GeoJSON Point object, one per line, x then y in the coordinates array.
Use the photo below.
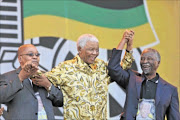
{"type": "Point", "coordinates": [146, 66]}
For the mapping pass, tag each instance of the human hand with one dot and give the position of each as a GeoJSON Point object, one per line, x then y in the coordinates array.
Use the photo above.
{"type": "Point", "coordinates": [41, 80]}
{"type": "Point", "coordinates": [1, 111]}
{"type": "Point", "coordinates": [28, 69]}
{"type": "Point", "coordinates": [130, 38]}
{"type": "Point", "coordinates": [126, 37]}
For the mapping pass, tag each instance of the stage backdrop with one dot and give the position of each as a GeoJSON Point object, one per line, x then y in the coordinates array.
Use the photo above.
{"type": "Point", "coordinates": [53, 26]}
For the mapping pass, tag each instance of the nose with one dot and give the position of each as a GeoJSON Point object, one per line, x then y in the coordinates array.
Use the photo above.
{"type": "Point", "coordinates": [34, 56]}
{"type": "Point", "coordinates": [144, 60]}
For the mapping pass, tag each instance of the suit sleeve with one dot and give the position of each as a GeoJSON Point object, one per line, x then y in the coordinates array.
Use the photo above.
{"type": "Point", "coordinates": [9, 87]}
{"type": "Point", "coordinates": [115, 70]}
{"type": "Point", "coordinates": [173, 110]}
{"type": "Point", "coordinates": [56, 96]}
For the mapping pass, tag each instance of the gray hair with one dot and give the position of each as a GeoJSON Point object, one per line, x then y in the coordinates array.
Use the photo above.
{"type": "Point", "coordinates": [158, 57]}
{"type": "Point", "coordinates": [82, 40]}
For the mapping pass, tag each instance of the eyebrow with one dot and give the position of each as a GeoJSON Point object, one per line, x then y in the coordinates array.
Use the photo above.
{"type": "Point", "coordinates": [32, 52]}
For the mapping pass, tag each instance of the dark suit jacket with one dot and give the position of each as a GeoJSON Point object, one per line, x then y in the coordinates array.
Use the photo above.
{"type": "Point", "coordinates": [166, 100]}
{"type": "Point", "coordinates": [20, 98]}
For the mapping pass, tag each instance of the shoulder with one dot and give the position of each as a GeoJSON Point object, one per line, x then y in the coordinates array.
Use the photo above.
{"type": "Point", "coordinates": [169, 85]}
{"type": "Point", "coordinates": [9, 74]}
{"type": "Point", "coordinates": [67, 63]}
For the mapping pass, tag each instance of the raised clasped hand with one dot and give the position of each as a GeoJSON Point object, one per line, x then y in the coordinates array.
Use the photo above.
{"type": "Point", "coordinates": [126, 39]}
{"type": "Point", "coordinates": [28, 69]}
{"type": "Point", "coordinates": [128, 35]}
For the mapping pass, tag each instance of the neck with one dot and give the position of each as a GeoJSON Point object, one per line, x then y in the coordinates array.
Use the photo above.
{"type": "Point", "coordinates": [150, 76]}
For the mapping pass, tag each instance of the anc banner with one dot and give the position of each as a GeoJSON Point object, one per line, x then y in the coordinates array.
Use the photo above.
{"type": "Point", "coordinates": [53, 26]}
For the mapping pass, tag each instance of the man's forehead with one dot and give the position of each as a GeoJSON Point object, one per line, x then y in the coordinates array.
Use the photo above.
{"type": "Point", "coordinates": [27, 48]}
{"type": "Point", "coordinates": [148, 53]}
{"type": "Point", "coordinates": [91, 43]}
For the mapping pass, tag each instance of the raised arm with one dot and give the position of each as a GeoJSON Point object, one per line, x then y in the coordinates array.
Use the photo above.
{"type": "Point", "coordinates": [128, 57]}
{"type": "Point", "coordinates": [116, 72]}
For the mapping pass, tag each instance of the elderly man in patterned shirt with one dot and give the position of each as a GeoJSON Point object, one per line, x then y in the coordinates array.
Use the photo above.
{"type": "Point", "coordinates": [84, 81]}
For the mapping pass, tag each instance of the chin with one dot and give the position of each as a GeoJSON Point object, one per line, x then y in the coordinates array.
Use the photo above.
{"type": "Point", "coordinates": [146, 72]}
{"type": "Point", "coordinates": [92, 62]}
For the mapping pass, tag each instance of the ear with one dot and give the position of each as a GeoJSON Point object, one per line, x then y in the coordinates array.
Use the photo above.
{"type": "Point", "coordinates": [20, 59]}
{"type": "Point", "coordinates": [158, 63]}
{"type": "Point", "coordinates": [79, 49]}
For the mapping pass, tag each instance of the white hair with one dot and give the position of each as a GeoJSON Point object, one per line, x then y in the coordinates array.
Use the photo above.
{"type": "Point", "coordinates": [82, 40]}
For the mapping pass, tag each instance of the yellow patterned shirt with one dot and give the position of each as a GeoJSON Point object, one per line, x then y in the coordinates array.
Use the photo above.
{"type": "Point", "coordinates": [84, 88]}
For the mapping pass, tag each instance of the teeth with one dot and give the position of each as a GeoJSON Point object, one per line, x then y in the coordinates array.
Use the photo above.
{"type": "Point", "coordinates": [146, 65]}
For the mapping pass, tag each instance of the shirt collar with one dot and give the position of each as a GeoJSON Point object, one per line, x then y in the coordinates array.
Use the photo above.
{"type": "Point", "coordinates": [30, 81]}
{"type": "Point", "coordinates": [155, 79]}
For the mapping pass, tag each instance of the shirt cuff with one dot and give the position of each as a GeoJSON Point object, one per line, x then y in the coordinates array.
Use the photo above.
{"type": "Point", "coordinates": [127, 60]}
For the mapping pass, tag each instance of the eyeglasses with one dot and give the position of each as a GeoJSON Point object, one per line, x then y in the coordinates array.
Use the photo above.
{"type": "Point", "coordinates": [32, 54]}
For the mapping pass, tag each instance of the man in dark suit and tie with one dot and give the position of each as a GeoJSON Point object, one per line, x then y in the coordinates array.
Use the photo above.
{"type": "Point", "coordinates": [148, 96]}
{"type": "Point", "coordinates": [16, 89]}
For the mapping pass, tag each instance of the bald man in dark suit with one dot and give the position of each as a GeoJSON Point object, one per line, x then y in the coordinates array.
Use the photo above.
{"type": "Point", "coordinates": [25, 97]}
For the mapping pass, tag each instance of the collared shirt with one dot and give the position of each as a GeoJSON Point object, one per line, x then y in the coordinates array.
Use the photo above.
{"type": "Point", "coordinates": [84, 88]}
{"type": "Point", "coordinates": [148, 89]}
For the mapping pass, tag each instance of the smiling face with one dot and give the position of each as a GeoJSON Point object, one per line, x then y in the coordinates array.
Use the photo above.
{"type": "Point", "coordinates": [89, 52]}
{"type": "Point", "coordinates": [28, 53]}
{"type": "Point", "coordinates": [149, 62]}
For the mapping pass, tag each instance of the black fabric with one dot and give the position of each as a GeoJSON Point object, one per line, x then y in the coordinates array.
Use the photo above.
{"type": "Point", "coordinates": [148, 89]}
{"type": "Point", "coordinates": [35, 88]}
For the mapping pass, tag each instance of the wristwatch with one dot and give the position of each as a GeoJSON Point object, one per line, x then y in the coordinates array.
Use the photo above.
{"type": "Point", "coordinates": [49, 88]}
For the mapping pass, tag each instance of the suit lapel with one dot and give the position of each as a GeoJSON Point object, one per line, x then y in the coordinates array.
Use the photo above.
{"type": "Point", "coordinates": [41, 93]}
{"type": "Point", "coordinates": [28, 85]}
{"type": "Point", "coordinates": [159, 90]}
{"type": "Point", "coordinates": [138, 85]}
